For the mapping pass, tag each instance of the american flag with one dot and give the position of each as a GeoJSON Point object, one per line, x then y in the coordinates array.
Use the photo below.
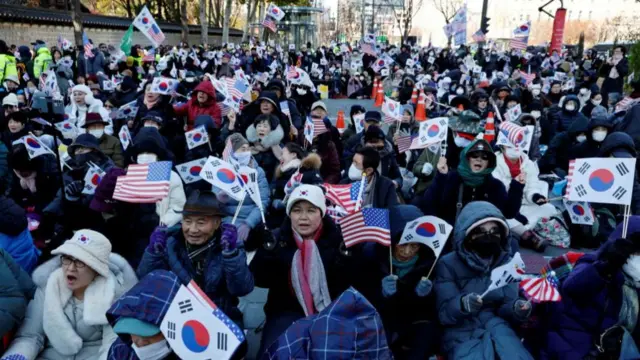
{"type": "Point", "coordinates": [269, 23]}
{"type": "Point", "coordinates": [318, 126]}
{"type": "Point", "coordinates": [404, 143]}
{"type": "Point", "coordinates": [237, 88]}
{"type": "Point", "coordinates": [292, 72]}
{"type": "Point", "coordinates": [416, 145]}
{"type": "Point", "coordinates": [479, 36]}
{"type": "Point", "coordinates": [572, 166]}
{"type": "Point", "coordinates": [541, 289]}
{"type": "Point", "coordinates": [226, 153]}
{"type": "Point", "coordinates": [527, 77]}
{"type": "Point", "coordinates": [389, 120]}
{"type": "Point", "coordinates": [366, 225]}
{"type": "Point", "coordinates": [155, 33]}
{"type": "Point", "coordinates": [344, 195]}
{"type": "Point", "coordinates": [87, 45]}
{"type": "Point", "coordinates": [519, 43]}
{"type": "Point", "coordinates": [625, 104]}
{"type": "Point", "coordinates": [512, 131]}
{"type": "Point", "coordinates": [144, 183]}
{"type": "Point", "coordinates": [150, 57]}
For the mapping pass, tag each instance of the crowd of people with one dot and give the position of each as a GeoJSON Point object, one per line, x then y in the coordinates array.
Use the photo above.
{"type": "Point", "coordinates": [86, 276]}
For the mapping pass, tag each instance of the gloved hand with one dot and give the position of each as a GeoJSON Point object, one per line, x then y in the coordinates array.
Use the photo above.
{"type": "Point", "coordinates": [539, 199]}
{"type": "Point", "coordinates": [616, 254]}
{"type": "Point", "coordinates": [158, 240]}
{"type": "Point", "coordinates": [73, 190]}
{"type": "Point", "coordinates": [424, 287]}
{"type": "Point", "coordinates": [243, 232]}
{"type": "Point", "coordinates": [471, 303]}
{"type": "Point", "coordinates": [222, 197]}
{"type": "Point", "coordinates": [427, 169]}
{"type": "Point", "coordinates": [229, 238]}
{"type": "Point", "coordinates": [522, 309]}
{"type": "Point", "coordinates": [389, 285]}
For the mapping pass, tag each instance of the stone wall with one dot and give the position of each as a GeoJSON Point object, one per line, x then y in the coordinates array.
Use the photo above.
{"type": "Point", "coordinates": [24, 34]}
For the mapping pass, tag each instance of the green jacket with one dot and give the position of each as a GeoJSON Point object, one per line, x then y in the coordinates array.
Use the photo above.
{"type": "Point", "coordinates": [425, 180]}
{"type": "Point", "coordinates": [110, 146]}
{"type": "Point", "coordinates": [42, 62]}
{"type": "Point", "coordinates": [8, 67]}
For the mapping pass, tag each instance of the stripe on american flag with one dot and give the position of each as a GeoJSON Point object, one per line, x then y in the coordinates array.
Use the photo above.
{"type": "Point", "coordinates": [366, 225]}
{"type": "Point", "coordinates": [144, 183]}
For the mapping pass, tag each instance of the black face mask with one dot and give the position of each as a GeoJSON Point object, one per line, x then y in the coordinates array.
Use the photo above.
{"type": "Point", "coordinates": [486, 245]}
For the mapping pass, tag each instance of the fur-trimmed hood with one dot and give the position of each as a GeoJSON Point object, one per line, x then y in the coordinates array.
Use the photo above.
{"type": "Point", "coordinates": [311, 162]}
{"type": "Point", "coordinates": [272, 139]}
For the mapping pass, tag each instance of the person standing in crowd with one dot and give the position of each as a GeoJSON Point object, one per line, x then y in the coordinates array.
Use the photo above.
{"type": "Point", "coordinates": [202, 102]}
{"type": "Point", "coordinates": [614, 71]}
{"type": "Point", "coordinates": [43, 58]}
{"type": "Point", "coordinates": [380, 191]}
{"type": "Point", "coordinates": [8, 67]}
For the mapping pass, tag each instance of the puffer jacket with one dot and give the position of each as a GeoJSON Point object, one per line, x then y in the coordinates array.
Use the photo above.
{"type": "Point", "coordinates": [226, 277]}
{"type": "Point", "coordinates": [16, 291]}
{"type": "Point", "coordinates": [590, 148]}
{"type": "Point", "coordinates": [566, 118]}
{"type": "Point", "coordinates": [111, 147]}
{"type": "Point", "coordinates": [8, 67]}
{"type": "Point", "coordinates": [267, 159]}
{"type": "Point", "coordinates": [487, 333]}
{"type": "Point", "coordinates": [42, 61]}
{"type": "Point", "coordinates": [557, 155]}
{"type": "Point", "coordinates": [15, 237]}
{"type": "Point", "coordinates": [192, 108]}
{"type": "Point", "coordinates": [73, 329]}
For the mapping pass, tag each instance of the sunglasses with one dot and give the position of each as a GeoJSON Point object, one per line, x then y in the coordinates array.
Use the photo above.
{"type": "Point", "coordinates": [479, 155]}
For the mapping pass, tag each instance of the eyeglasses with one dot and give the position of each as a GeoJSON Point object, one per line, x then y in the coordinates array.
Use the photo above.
{"type": "Point", "coordinates": [479, 155]}
{"type": "Point", "coordinates": [478, 234]}
{"type": "Point", "coordinates": [67, 260]}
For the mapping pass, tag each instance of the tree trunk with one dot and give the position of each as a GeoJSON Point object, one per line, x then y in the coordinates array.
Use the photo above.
{"type": "Point", "coordinates": [204, 30]}
{"type": "Point", "coordinates": [227, 19]}
{"type": "Point", "coordinates": [251, 14]}
{"type": "Point", "coordinates": [76, 18]}
{"type": "Point", "coordinates": [183, 21]}
{"type": "Point", "coordinates": [260, 17]}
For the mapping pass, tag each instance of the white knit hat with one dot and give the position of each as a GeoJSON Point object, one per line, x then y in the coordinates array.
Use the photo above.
{"type": "Point", "coordinates": [310, 193]}
{"type": "Point", "coordinates": [90, 247]}
{"type": "Point", "coordinates": [81, 88]}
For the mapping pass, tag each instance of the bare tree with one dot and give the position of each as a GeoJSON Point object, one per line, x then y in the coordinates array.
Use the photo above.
{"type": "Point", "coordinates": [252, 6]}
{"type": "Point", "coordinates": [204, 30]}
{"type": "Point", "coordinates": [183, 21]}
{"type": "Point", "coordinates": [227, 18]}
{"type": "Point", "coordinates": [76, 19]}
{"type": "Point", "coordinates": [448, 9]}
{"type": "Point", "coordinates": [404, 17]}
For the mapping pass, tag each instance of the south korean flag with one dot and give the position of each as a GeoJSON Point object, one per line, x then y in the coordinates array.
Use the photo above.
{"type": "Point", "coordinates": [579, 212]}
{"type": "Point", "coordinates": [190, 171]}
{"type": "Point", "coordinates": [603, 180]}
{"type": "Point", "coordinates": [428, 230]}
{"type": "Point", "coordinates": [197, 137]}
{"type": "Point", "coordinates": [223, 176]}
{"type": "Point", "coordinates": [197, 331]}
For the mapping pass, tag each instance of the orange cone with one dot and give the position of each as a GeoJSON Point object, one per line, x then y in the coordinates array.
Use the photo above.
{"type": "Point", "coordinates": [414, 95]}
{"type": "Point", "coordinates": [379, 96]}
{"type": "Point", "coordinates": [340, 125]}
{"type": "Point", "coordinates": [490, 128]}
{"type": "Point", "coordinates": [421, 110]}
{"type": "Point", "coordinates": [374, 89]}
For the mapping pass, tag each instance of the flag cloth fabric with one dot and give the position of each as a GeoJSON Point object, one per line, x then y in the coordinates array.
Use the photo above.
{"type": "Point", "coordinates": [368, 48]}
{"type": "Point", "coordinates": [428, 230]}
{"type": "Point", "coordinates": [92, 179]}
{"type": "Point", "coordinates": [527, 77]}
{"type": "Point", "coordinates": [68, 129]}
{"type": "Point", "coordinates": [34, 146]}
{"type": "Point", "coordinates": [128, 110]}
{"type": "Point", "coordinates": [144, 183]}
{"type": "Point", "coordinates": [579, 212]}
{"type": "Point", "coordinates": [625, 104]}
{"type": "Point", "coordinates": [345, 195]}
{"type": "Point", "coordinates": [369, 38]}
{"type": "Point", "coordinates": [523, 30]}
{"type": "Point", "coordinates": [506, 274]}
{"type": "Point", "coordinates": [196, 137]}
{"type": "Point", "coordinates": [284, 107]}
{"type": "Point", "coordinates": [87, 46]}
{"type": "Point", "coordinates": [275, 12]}
{"type": "Point", "coordinates": [513, 113]}
{"type": "Point", "coordinates": [127, 40]}
{"type": "Point", "coordinates": [228, 150]}
{"type": "Point", "coordinates": [602, 180]}
{"type": "Point", "coordinates": [366, 225]}
{"type": "Point", "coordinates": [148, 26]}
{"type": "Point", "coordinates": [223, 176]}
{"type": "Point", "coordinates": [313, 127]}
{"type": "Point", "coordinates": [150, 56]}
{"type": "Point", "coordinates": [432, 131]}
{"type": "Point", "coordinates": [163, 85]}
{"type": "Point", "coordinates": [479, 36]}
{"type": "Point", "coordinates": [541, 289]}
{"type": "Point", "coordinates": [269, 23]}
{"type": "Point", "coordinates": [190, 171]}
{"type": "Point", "coordinates": [518, 43]}
{"type": "Point", "coordinates": [359, 122]}
{"type": "Point", "coordinates": [404, 143]}
{"type": "Point", "coordinates": [514, 135]}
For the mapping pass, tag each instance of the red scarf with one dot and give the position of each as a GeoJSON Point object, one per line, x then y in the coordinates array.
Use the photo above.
{"type": "Point", "coordinates": [514, 166]}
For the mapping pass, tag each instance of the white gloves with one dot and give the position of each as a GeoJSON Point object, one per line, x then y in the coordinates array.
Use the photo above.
{"type": "Point", "coordinates": [427, 169]}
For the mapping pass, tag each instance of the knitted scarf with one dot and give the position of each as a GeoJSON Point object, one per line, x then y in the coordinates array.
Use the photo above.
{"type": "Point", "coordinates": [514, 166]}
{"type": "Point", "coordinates": [28, 182]}
{"type": "Point", "coordinates": [308, 277]}
{"type": "Point", "coordinates": [469, 177]}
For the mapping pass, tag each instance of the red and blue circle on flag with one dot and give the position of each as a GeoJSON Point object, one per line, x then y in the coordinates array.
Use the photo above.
{"type": "Point", "coordinates": [163, 86]}
{"type": "Point", "coordinates": [601, 180]}
{"type": "Point", "coordinates": [195, 170]}
{"type": "Point", "coordinates": [433, 130]}
{"type": "Point", "coordinates": [426, 229]}
{"type": "Point", "coordinates": [32, 143]}
{"type": "Point", "coordinates": [578, 210]}
{"type": "Point", "coordinates": [67, 126]}
{"type": "Point", "coordinates": [95, 179]}
{"type": "Point", "coordinates": [197, 136]}
{"type": "Point", "coordinates": [145, 20]}
{"type": "Point", "coordinates": [195, 336]}
{"type": "Point", "coordinates": [226, 176]}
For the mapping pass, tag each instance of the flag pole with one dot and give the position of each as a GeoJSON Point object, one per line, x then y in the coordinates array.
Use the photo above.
{"type": "Point", "coordinates": [235, 216]}
{"type": "Point", "coordinates": [625, 221]}
{"type": "Point", "coordinates": [363, 183]}
{"type": "Point", "coordinates": [390, 259]}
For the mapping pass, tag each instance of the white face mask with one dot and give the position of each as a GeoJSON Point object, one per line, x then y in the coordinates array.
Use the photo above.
{"type": "Point", "coordinates": [459, 91]}
{"type": "Point", "coordinates": [243, 157]}
{"type": "Point", "coordinates": [97, 133]}
{"type": "Point", "coordinates": [536, 114]}
{"type": "Point", "coordinates": [599, 135]}
{"type": "Point", "coordinates": [146, 158]}
{"type": "Point", "coordinates": [301, 91]}
{"type": "Point", "coordinates": [570, 106]}
{"type": "Point", "coordinates": [354, 173]}
{"type": "Point", "coordinates": [632, 267]}
{"type": "Point", "coordinates": [153, 126]}
{"type": "Point", "coordinates": [461, 142]}
{"type": "Point", "coordinates": [581, 138]}
{"type": "Point", "coordinates": [156, 351]}
{"type": "Point", "coordinates": [535, 92]}
{"type": "Point", "coordinates": [596, 102]}
{"type": "Point", "coordinates": [512, 153]}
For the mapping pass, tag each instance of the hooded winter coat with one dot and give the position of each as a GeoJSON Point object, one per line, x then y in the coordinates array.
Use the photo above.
{"type": "Point", "coordinates": [621, 141]}
{"type": "Point", "coordinates": [92, 65]}
{"type": "Point", "coordinates": [565, 117]}
{"type": "Point", "coordinates": [42, 61]}
{"type": "Point", "coordinates": [15, 237]}
{"type": "Point", "coordinates": [267, 159]}
{"type": "Point", "coordinates": [296, 118]}
{"type": "Point", "coordinates": [77, 114]}
{"type": "Point", "coordinates": [137, 304]}
{"type": "Point", "coordinates": [487, 334]}
{"type": "Point", "coordinates": [192, 108]}
{"type": "Point", "coordinates": [16, 292]}
{"type": "Point", "coordinates": [58, 327]}
{"type": "Point", "coordinates": [590, 148]}
{"type": "Point", "coordinates": [226, 277]}
{"type": "Point", "coordinates": [557, 155]}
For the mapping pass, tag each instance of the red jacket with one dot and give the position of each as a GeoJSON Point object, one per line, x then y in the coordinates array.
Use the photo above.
{"type": "Point", "coordinates": [193, 108]}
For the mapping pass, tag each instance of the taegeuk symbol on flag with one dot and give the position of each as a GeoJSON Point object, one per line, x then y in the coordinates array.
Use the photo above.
{"type": "Point", "coordinates": [125, 137]}
{"type": "Point", "coordinates": [428, 230]}
{"type": "Point", "coordinates": [223, 175]}
{"type": "Point", "coordinates": [579, 212]}
{"type": "Point", "coordinates": [506, 274]}
{"type": "Point", "coordinates": [190, 171]}
{"type": "Point", "coordinates": [92, 179]}
{"type": "Point", "coordinates": [541, 289]}
{"type": "Point", "coordinates": [432, 131]}
{"type": "Point", "coordinates": [34, 146]}
{"type": "Point", "coordinates": [196, 137]}
{"type": "Point", "coordinates": [392, 109]}
{"type": "Point", "coordinates": [163, 85]}
{"type": "Point", "coordinates": [602, 180]}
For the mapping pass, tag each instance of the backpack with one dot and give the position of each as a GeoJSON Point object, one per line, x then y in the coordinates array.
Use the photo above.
{"type": "Point", "coordinates": [554, 230]}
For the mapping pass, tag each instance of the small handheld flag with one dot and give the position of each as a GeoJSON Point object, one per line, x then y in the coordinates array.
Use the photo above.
{"type": "Point", "coordinates": [506, 274]}
{"type": "Point", "coordinates": [223, 175]}
{"type": "Point", "coordinates": [427, 230]}
{"type": "Point", "coordinates": [144, 183]}
{"type": "Point", "coordinates": [125, 137]}
{"type": "Point", "coordinates": [366, 225]}
{"type": "Point", "coordinates": [190, 171]}
{"type": "Point", "coordinates": [541, 289]}
{"type": "Point", "coordinates": [602, 180]}
{"type": "Point", "coordinates": [196, 137]}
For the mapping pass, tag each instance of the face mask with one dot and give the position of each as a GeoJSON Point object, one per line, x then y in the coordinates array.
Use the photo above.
{"type": "Point", "coordinates": [156, 351]}
{"type": "Point", "coordinates": [535, 114]}
{"type": "Point", "coordinates": [243, 157]}
{"type": "Point", "coordinates": [190, 79]}
{"type": "Point", "coordinates": [596, 102]}
{"type": "Point", "coordinates": [570, 106]}
{"type": "Point", "coordinates": [486, 246]}
{"type": "Point", "coordinates": [97, 133]}
{"type": "Point", "coordinates": [583, 91]}
{"type": "Point", "coordinates": [599, 135]}
{"type": "Point", "coordinates": [461, 142]}
{"type": "Point", "coordinates": [581, 138]}
{"type": "Point", "coordinates": [301, 91]}
{"type": "Point", "coordinates": [535, 92]}
{"type": "Point", "coordinates": [354, 173]}
{"type": "Point", "coordinates": [632, 267]}
{"type": "Point", "coordinates": [146, 158]}
{"type": "Point", "coordinates": [512, 153]}
{"type": "Point", "coordinates": [83, 159]}
{"type": "Point", "coordinates": [459, 91]}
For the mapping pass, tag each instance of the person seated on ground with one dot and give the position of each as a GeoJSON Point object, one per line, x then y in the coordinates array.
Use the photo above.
{"type": "Point", "coordinates": [350, 131]}
{"type": "Point", "coordinates": [620, 145]}
{"type": "Point", "coordinates": [66, 318]}
{"type": "Point", "coordinates": [408, 126]}
{"type": "Point", "coordinates": [326, 148]}
{"type": "Point", "coordinates": [16, 292]}
{"type": "Point", "coordinates": [597, 317]}
{"type": "Point", "coordinates": [374, 137]}
{"type": "Point", "coordinates": [474, 326]}
{"type": "Point", "coordinates": [403, 297]}
{"type": "Point", "coordinates": [136, 318]}
{"type": "Point", "coordinates": [380, 191]}
{"type": "Point", "coordinates": [265, 135]}
{"type": "Point", "coordinates": [556, 158]}
{"type": "Point", "coordinates": [597, 130]}
{"type": "Point", "coordinates": [205, 250]}
{"type": "Point", "coordinates": [451, 190]}
{"type": "Point", "coordinates": [15, 237]}
{"type": "Point", "coordinates": [513, 166]}
{"type": "Point", "coordinates": [109, 145]}
{"type": "Point", "coordinates": [526, 119]}
{"type": "Point", "coordinates": [307, 233]}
